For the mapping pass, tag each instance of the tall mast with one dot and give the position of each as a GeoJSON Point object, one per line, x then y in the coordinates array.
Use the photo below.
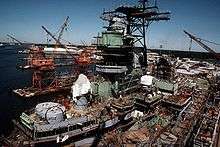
{"type": "Point", "coordinates": [137, 20]}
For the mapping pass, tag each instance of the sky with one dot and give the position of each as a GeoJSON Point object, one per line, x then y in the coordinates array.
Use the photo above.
{"type": "Point", "coordinates": [24, 18]}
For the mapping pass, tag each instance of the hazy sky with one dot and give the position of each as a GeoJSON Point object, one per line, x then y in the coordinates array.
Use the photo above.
{"type": "Point", "coordinates": [23, 19]}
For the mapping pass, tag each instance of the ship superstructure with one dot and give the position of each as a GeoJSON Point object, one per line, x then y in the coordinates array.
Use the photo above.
{"type": "Point", "coordinates": [132, 98]}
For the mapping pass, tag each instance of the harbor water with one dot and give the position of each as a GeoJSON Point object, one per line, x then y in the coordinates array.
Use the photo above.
{"type": "Point", "coordinates": [11, 78]}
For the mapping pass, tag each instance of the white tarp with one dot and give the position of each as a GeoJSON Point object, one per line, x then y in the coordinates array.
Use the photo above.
{"type": "Point", "coordinates": [190, 72]}
{"type": "Point", "coordinates": [137, 114]}
{"type": "Point", "coordinates": [81, 86]}
{"type": "Point", "coordinates": [184, 66]}
{"type": "Point", "coordinates": [147, 80]}
{"type": "Point", "coordinates": [62, 50]}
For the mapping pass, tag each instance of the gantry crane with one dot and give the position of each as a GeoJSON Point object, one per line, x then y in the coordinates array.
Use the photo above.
{"type": "Point", "coordinates": [58, 42]}
{"type": "Point", "coordinates": [36, 58]}
{"type": "Point", "coordinates": [199, 41]}
{"type": "Point", "coordinates": [84, 57]}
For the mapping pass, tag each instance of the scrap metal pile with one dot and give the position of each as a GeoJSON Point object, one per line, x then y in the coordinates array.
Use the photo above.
{"type": "Point", "coordinates": [207, 134]}
{"type": "Point", "coordinates": [173, 119]}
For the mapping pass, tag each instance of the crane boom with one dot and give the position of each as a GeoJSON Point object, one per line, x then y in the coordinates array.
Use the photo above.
{"type": "Point", "coordinates": [198, 40]}
{"type": "Point", "coordinates": [63, 27]}
{"type": "Point", "coordinates": [14, 39]}
{"type": "Point", "coordinates": [58, 39]}
{"type": "Point", "coordinates": [49, 33]}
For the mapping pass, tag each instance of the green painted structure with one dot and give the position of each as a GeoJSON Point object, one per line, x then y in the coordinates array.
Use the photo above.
{"type": "Point", "coordinates": [102, 89]}
{"type": "Point", "coordinates": [112, 39]}
{"type": "Point", "coordinates": [166, 86]}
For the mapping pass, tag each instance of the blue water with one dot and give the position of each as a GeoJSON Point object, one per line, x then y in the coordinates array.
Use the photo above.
{"type": "Point", "coordinates": [11, 78]}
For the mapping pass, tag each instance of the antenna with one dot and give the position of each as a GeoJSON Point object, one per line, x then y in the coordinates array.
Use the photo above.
{"type": "Point", "coordinates": [155, 3]}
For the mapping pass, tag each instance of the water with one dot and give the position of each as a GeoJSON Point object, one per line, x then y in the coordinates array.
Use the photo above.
{"type": "Point", "coordinates": [11, 78]}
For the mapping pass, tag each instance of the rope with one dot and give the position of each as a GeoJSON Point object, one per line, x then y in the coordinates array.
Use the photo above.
{"type": "Point", "coordinates": [210, 41]}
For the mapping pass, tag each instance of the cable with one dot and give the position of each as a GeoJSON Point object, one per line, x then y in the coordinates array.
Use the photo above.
{"type": "Point", "coordinates": [210, 41]}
